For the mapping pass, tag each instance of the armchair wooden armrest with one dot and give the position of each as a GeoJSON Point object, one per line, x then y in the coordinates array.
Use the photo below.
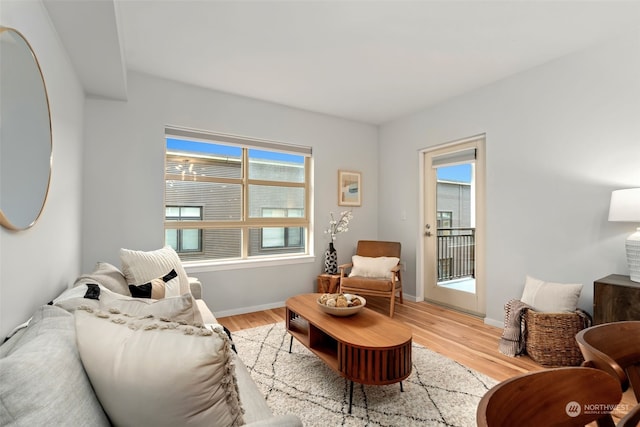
{"type": "Point", "coordinates": [343, 267]}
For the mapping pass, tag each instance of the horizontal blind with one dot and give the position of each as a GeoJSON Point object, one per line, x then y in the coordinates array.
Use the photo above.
{"type": "Point", "coordinates": [457, 157]}
{"type": "Point", "coordinates": [240, 141]}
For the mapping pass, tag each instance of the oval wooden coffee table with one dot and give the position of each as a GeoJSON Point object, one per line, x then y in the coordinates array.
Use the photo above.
{"type": "Point", "coordinates": [367, 348]}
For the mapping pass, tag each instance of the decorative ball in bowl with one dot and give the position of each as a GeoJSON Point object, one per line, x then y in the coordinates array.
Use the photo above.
{"type": "Point", "coordinates": [341, 304]}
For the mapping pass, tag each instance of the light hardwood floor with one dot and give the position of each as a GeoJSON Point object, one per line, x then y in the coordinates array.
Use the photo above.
{"type": "Point", "coordinates": [459, 336]}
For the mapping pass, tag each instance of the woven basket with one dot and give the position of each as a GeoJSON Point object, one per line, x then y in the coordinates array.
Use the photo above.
{"type": "Point", "coordinates": [551, 337]}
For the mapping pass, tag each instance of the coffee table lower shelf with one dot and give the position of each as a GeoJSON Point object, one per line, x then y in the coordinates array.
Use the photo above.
{"type": "Point", "coordinates": [321, 344]}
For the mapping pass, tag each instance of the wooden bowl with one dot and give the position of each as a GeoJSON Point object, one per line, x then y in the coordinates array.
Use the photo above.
{"type": "Point", "coordinates": [343, 311]}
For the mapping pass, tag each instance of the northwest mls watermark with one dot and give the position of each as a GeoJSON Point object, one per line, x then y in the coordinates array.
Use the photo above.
{"type": "Point", "coordinates": [573, 408]}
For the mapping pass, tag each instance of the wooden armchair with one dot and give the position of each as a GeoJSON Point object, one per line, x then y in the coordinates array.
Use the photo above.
{"type": "Point", "coordinates": [632, 419]}
{"type": "Point", "coordinates": [370, 275]}
{"type": "Point", "coordinates": [615, 349]}
{"type": "Point", "coordinates": [552, 397]}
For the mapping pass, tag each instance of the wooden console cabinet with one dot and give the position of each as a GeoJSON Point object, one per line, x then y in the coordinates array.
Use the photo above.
{"type": "Point", "coordinates": [615, 298]}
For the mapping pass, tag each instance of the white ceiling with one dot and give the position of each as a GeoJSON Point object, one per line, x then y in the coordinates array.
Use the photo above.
{"type": "Point", "coordinates": [371, 61]}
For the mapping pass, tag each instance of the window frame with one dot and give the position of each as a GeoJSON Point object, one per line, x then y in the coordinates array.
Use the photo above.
{"type": "Point", "coordinates": [285, 237]}
{"type": "Point", "coordinates": [246, 222]}
{"type": "Point", "coordinates": [180, 231]}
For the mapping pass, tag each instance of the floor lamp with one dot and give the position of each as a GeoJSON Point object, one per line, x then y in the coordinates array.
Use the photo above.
{"type": "Point", "coordinates": [625, 207]}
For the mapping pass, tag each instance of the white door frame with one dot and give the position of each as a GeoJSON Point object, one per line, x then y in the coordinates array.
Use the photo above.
{"type": "Point", "coordinates": [480, 221]}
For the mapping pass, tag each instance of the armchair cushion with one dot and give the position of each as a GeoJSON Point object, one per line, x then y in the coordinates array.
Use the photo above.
{"type": "Point", "coordinates": [358, 284]}
{"type": "Point", "coordinates": [373, 267]}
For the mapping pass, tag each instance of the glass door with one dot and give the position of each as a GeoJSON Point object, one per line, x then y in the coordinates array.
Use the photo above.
{"type": "Point", "coordinates": [454, 191]}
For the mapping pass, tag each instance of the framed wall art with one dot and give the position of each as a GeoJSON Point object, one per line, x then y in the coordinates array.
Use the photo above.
{"type": "Point", "coordinates": [349, 188]}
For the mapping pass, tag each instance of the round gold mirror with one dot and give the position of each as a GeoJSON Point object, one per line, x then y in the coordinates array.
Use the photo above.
{"type": "Point", "coordinates": [25, 133]}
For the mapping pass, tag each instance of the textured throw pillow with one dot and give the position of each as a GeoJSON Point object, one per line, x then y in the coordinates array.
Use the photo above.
{"type": "Point", "coordinates": [551, 297]}
{"type": "Point", "coordinates": [156, 288]}
{"type": "Point", "coordinates": [378, 267]}
{"type": "Point", "coordinates": [143, 266]}
{"type": "Point", "coordinates": [147, 372]}
{"type": "Point", "coordinates": [42, 381]}
{"type": "Point", "coordinates": [108, 276]}
{"type": "Point", "coordinates": [183, 309]}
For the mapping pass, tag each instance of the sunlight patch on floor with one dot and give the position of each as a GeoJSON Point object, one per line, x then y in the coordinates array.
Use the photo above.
{"type": "Point", "coordinates": [465, 285]}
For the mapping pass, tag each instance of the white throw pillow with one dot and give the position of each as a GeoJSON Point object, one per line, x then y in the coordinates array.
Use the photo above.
{"type": "Point", "coordinates": [144, 266]}
{"type": "Point", "coordinates": [551, 297]}
{"type": "Point", "coordinates": [146, 372]}
{"type": "Point", "coordinates": [378, 267]}
{"type": "Point", "coordinates": [182, 309]}
{"type": "Point", "coordinates": [107, 275]}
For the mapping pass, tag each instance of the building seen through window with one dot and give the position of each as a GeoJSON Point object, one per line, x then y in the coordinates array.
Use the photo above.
{"type": "Point", "coordinates": [184, 239]}
{"type": "Point", "coordinates": [235, 200]}
{"type": "Point", "coordinates": [455, 218]}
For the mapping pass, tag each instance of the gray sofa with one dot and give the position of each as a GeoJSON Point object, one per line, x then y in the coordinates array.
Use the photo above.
{"type": "Point", "coordinates": [43, 380]}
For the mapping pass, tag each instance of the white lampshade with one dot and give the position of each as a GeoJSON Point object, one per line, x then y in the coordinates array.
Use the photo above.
{"type": "Point", "coordinates": [625, 207]}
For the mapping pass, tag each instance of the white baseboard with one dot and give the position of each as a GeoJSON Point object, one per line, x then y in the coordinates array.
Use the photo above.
{"type": "Point", "coordinates": [494, 322]}
{"type": "Point", "coordinates": [251, 309]}
{"type": "Point", "coordinates": [254, 308]}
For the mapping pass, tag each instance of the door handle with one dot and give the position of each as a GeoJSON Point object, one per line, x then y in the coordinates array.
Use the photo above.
{"type": "Point", "coordinates": [428, 232]}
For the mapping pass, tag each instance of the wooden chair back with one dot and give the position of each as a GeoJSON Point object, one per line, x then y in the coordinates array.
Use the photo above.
{"type": "Point", "coordinates": [614, 348]}
{"type": "Point", "coordinates": [375, 248]}
{"type": "Point", "coordinates": [573, 396]}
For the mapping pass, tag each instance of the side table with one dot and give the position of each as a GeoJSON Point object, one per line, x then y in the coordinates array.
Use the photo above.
{"type": "Point", "coordinates": [328, 283]}
{"type": "Point", "coordinates": [615, 298]}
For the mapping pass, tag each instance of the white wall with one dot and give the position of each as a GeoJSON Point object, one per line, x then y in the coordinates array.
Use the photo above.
{"type": "Point", "coordinates": [37, 264]}
{"type": "Point", "coordinates": [124, 180]}
{"type": "Point", "coordinates": [560, 138]}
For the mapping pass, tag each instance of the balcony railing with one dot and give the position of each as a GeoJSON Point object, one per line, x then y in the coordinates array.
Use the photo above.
{"type": "Point", "coordinates": [456, 253]}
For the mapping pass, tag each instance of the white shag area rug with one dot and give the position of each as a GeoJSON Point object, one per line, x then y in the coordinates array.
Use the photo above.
{"type": "Point", "coordinates": [439, 391]}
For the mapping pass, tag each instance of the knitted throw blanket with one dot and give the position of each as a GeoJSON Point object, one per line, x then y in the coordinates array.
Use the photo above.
{"type": "Point", "coordinates": [512, 342]}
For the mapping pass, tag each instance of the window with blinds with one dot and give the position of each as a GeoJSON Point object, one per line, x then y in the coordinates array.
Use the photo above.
{"type": "Point", "coordinates": [228, 197]}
